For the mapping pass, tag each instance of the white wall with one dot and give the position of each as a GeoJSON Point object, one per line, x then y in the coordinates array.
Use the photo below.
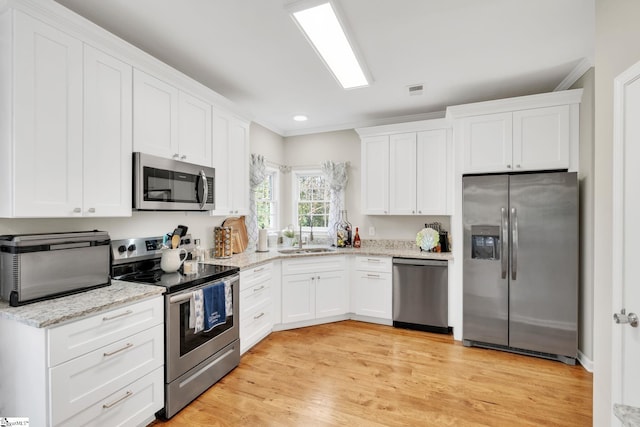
{"type": "Point", "coordinates": [617, 33]}
{"type": "Point", "coordinates": [140, 224]}
{"type": "Point", "coordinates": [586, 178]}
{"type": "Point", "coordinates": [341, 146]}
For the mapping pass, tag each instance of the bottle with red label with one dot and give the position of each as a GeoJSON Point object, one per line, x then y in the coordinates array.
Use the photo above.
{"type": "Point", "coordinates": [356, 239]}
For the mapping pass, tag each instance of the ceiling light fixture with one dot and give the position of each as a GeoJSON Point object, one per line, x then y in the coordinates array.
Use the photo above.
{"type": "Point", "coordinates": [319, 21]}
{"type": "Point", "coordinates": [300, 118]}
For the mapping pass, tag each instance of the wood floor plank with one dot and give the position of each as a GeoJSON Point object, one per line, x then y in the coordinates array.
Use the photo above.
{"type": "Point", "coordinates": [359, 374]}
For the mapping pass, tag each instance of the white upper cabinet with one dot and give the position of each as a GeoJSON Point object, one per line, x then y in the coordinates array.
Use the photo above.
{"type": "Point", "coordinates": [487, 142]}
{"type": "Point", "coordinates": [194, 129]}
{"type": "Point", "coordinates": [107, 135]}
{"type": "Point", "coordinates": [45, 151]}
{"type": "Point", "coordinates": [375, 175]}
{"type": "Point", "coordinates": [541, 138]}
{"type": "Point", "coordinates": [402, 174]}
{"type": "Point", "coordinates": [69, 151]}
{"type": "Point", "coordinates": [406, 173]}
{"type": "Point", "coordinates": [170, 123]}
{"type": "Point", "coordinates": [433, 172]}
{"type": "Point", "coordinates": [231, 162]}
{"type": "Point", "coordinates": [529, 133]}
{"type": "Point", "coordinates": [155, 116]}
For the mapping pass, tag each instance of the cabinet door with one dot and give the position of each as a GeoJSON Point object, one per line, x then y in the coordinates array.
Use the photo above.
{"type": "Point", "coordinates": [239, 162]}
{"type": "Point", "coordinates": [332, 294]}
{"type": "Point", "coordinates": [155, 116]}
{"type": "Point", "coordinates": [221, 129]}
{"type": "Point", "coordinates": [375, 175]}
{"type": "Point", "coordinates": [487, 143]}
{"type": "Point", "coordinates": [402, 174]}
{"type": "Point", "coordinates": [541, 138]}
{"type": "Point", "coordinates": [373, 294]}
{"type": "Point", "coordinates": [48, 120]}
{"type": "Point", "coordinates": [298, 298]}
{"type": "Point", "coordinates": [107, 135]}
{"type": "Point", "coordinates": [194, 130]}
{"type": "Point", "coordinates": [432, 172]}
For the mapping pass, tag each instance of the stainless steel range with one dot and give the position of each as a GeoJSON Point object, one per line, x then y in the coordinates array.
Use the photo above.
{"type": "Point", "coordinates": [195, 359]}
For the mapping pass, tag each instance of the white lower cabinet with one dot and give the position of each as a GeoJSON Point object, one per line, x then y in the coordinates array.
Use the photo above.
{"type": "Point", "coordinates": [373, 287]}
{"type": "Point", "coordinates": [314, 288]}
{"type": "Point", "coordinates": [256, 307]}
{"type": "Point", "coordinates": [105, 369]}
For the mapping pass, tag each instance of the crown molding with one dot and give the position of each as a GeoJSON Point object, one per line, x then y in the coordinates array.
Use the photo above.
{"type": "Point", "coordinates": [540, 100]}
{"type": "Point", "coordinates": [577, 72]}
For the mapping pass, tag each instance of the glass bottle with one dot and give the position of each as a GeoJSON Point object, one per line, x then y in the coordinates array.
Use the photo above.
{"type": "Point", "coordinates": [198, 252]}
{"type": "Point", "coordinates": [356, 239]}
{"type": "Point", "coordinates": [343, 231]}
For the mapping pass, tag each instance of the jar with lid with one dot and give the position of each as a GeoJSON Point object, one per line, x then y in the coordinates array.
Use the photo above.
{"type": "Point", "coordinates": [343, 231]}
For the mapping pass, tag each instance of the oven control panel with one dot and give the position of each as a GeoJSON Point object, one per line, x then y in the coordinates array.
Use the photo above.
{"type": "Point", "coordinates": [127, 250]}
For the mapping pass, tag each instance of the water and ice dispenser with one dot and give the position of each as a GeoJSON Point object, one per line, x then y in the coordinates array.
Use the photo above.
{"type": "Point", "coordinates": [485, 242]}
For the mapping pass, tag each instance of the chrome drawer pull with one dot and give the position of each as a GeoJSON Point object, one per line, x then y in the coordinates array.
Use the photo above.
{"type": "Point", "coordinates": [258, 270]}
{"type": "Point", "coordinates": [129, 345]}
{"type": "Point", "coordinates": [375, 276]}
{"type": "Point", "coordinates": [258, 316]}
{"type": "Point", "coordinates": [126, 313]}
{"type": "Point", "coordinates": [258, 289]}
{"type": "Point", "coordinates": [373, 260]}
{"type": "Point", "coordinates": [110, 405]}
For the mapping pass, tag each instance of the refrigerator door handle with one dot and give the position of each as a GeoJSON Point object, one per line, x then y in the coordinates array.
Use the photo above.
{"type": "Point", "coordinates": [504, 233]}
{"type": "Point", "coordinates": [514, 243]}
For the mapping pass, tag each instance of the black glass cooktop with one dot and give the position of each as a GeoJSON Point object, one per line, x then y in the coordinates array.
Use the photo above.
{"type": "Point", "coordinates": [174, 282]}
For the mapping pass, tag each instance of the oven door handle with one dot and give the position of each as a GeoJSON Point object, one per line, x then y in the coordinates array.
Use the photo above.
{"type": "Point", "coordinates": [180, 298]}
{"type": "Point", "coordinates": [186, 296]}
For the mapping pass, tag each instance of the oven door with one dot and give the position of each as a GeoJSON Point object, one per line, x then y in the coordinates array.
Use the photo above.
{"type": "Point", "coordinates": [165, 184]}
{"type": "Point", "coordinates": [184, 348]}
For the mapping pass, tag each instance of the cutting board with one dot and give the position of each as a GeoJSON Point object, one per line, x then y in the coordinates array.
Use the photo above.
{"type": "Point", "coordinates": [239, 236]}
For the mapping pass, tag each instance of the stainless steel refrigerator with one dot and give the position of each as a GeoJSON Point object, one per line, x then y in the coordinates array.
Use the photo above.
{"type": "Point", "coordinates": [520, 276]}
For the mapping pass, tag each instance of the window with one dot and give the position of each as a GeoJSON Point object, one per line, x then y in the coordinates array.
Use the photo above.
{"type": "Point", "coordinates": [267, 201]}
{"type": "Point", "coordinates": [311, 202]}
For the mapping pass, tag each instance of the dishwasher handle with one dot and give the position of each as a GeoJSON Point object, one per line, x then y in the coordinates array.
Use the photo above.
{"type": "Point", "coordinates": [420, 262]}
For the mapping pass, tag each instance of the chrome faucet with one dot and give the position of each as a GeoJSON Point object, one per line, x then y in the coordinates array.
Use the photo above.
{"type": "Point", "coordinates": [300, 235]}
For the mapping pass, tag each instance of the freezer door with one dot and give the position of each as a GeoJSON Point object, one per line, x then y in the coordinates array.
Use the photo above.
{"type": "Point", "coordinates": [485, 284]}
{"type": "Point", "coordinates": [544, 266]}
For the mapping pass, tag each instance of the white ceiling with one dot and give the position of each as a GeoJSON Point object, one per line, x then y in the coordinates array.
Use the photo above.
{"type": "Point", "coordinates": [251, 52]}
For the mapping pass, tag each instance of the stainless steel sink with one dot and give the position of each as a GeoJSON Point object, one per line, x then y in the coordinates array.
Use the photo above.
{"type": "Point", "coordinates": [299, 251]}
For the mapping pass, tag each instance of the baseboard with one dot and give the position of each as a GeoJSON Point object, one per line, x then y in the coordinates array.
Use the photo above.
{"type": "Point", "coordinates": [585, 361]}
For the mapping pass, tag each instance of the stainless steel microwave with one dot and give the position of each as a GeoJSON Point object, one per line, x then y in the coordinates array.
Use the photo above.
{"type": "Point", "coordinates": [161, 184]}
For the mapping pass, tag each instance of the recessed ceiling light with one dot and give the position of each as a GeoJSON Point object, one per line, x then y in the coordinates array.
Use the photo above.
{"type": "Point", "coordinates": [300, 118]}
{"type": "Point", "coordinates": [324, 30]}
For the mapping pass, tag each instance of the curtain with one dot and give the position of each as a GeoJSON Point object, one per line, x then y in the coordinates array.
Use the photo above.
{"type": "Point", "coordinates": [257, 174]}
{"type": "Point", "coordinates": [337, 176]}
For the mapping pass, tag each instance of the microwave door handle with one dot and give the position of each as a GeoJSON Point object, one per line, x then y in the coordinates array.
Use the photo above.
{"type": "Point", "coordinates": [205, 189]}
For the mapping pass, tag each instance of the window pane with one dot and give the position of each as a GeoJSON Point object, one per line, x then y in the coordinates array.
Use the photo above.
{"type": "Point", "coordinates": [313, 200]}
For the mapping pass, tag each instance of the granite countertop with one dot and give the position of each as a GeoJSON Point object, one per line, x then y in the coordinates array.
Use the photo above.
{"type": "Point", "coordinates": [55, 311]}
{"type": "Point", "coordinates": [629, 415]}
{"type": "Point", "coordinates": [391, 248]}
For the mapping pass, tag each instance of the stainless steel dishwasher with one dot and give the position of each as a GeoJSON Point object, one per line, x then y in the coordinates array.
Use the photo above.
{"type": "Point", "coordinates": [421, 294]}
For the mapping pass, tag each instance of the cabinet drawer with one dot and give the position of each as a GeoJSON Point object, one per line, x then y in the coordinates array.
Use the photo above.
{"type": "Point", "coordinates": [373, 263]}
{"type": "Point", "coordinates": [129, 406]}
{"type": "Point", "coordinates": [314, 264]}
{"type": "Point", "coordinates": [253, 276]}
{"type": "Point", "coordinates": [253, 297]}
{"type": "Point", "coordinates": [255, 325]}
{"type": "Point", "coordinates": [81, 382]}
{"type": "Point", "coordinates": [78, 338]}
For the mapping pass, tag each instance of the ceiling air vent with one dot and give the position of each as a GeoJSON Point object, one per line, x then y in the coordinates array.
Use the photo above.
{"type": "Point", "coordinates": [415, 90]}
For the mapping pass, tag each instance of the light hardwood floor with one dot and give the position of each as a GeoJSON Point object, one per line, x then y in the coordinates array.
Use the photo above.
{"type": "Point", "coordinates": [359, 374]}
